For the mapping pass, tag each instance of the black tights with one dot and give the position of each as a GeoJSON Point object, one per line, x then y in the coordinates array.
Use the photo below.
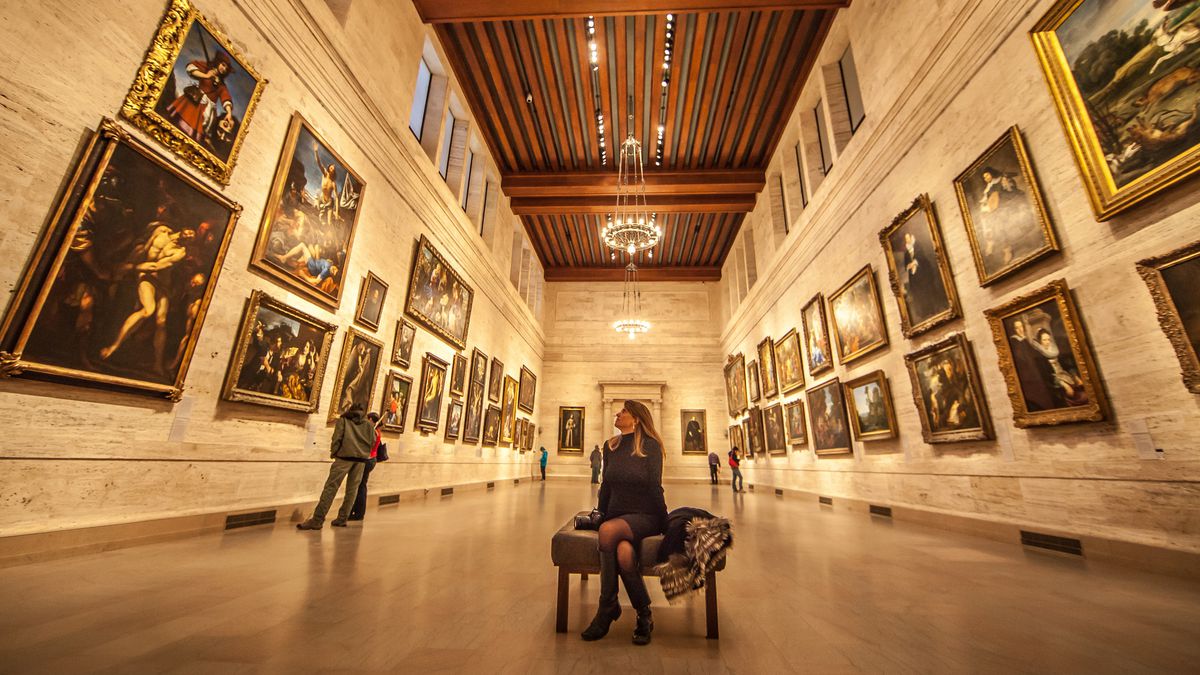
{"type": "Point", "coordinates": [617, 537]}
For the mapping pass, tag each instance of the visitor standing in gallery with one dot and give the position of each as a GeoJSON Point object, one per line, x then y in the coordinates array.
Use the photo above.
{"type": "Point", "coordinates": [595, 458]}
{"type": "Point", "coordinates": [735, 461]}
{"type": "Point", "coordinates": [544, 458]}
{"type": "Point", "coordinates": [633, 508]}
{"type": "Point", "coordinates": [353, 436]}
{"type": "Point", "coordinates": [360, 502]}
{"type": "Point", "coordinates": [714, 465]}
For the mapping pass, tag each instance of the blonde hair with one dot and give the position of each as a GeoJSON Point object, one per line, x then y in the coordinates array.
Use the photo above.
{"type": "Point", "coordinates": [643, 428]}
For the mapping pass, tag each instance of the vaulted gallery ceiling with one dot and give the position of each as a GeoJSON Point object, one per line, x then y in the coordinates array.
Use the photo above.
{"type": "Point", "coordinates": [735, 71]}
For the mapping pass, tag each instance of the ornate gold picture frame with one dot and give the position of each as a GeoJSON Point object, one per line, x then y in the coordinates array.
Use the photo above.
{"type": "Point", "coordinates": [775, 430]}
{"type": "Point", "coordinates": [371, 297]}
{"type": "Point", "coordinates": [872, 415]}
{"type": "Point", "coordinates": [766, 366]}
{"type": "Point", "coordinates": [458, 376]}
{"type": "Point", "coordinates": [797, 430]}
{"type": "Point", "coordinates": [397, 393]}
{"type": "Point", "coordinates": [1174, 282]}
{"type": "Point", "coordinates": [819, 354]}
{"type": "Point", "coordinates": [693, 430]}
{"type": "Point", "coordinates": [528, 390]}
{"type": "Point", "coordinates": [429, 399]}
{"type": "Point", "coordinates": [508, 407]}
{"type": "Point", "coordinates": [357, 369]}
{"type": "Point", "coordinates": [857, 318]}
{"type": "Point", "coordinates": [735, 385]}
{"type": "Point", "coordinates": [491, 426]}
{"type": "Point", "coordinates": [571, 420]}
{"type": "Point", "coordinates": [402, 343]}
{"type": "Point", "coordinates": [918, 269]}
{"type": "Point", "coordinates": [947, 392]}
{"type": "Point", "coordinates": [827, 415]}
{"type": "Point", "coordinates": [789, 362]}
{"type": "Point", "coordinates": [438, 297]}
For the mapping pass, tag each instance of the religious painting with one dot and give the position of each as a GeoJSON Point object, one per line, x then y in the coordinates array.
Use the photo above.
{"type": "Point", "coordinates": [918, 269]}
{"type": "Point", "coordinates": [370, 301]}
{"type": "Point", "coordinates": [857, 317]}
{"type": "Point", "coordinates": [519, 435]}
{"type": "Point", "coordinates": [872, 416]}
{"type": "Point", "coordinates": [946, 390]}
{"type": "Point", "coordinates": [397, 389]}
{"type": "Point", "coordinates": [479, 364]}
{"type": "Point", "coordinates": [774, 430]}
{"type": "Point", "coordinates": [796, 430]}
{"type": "Point", "coordinates": [473, 413]}
{"type": "Point", "coordinates": [1001, 204]}
{"type": "Point", "coordinates": [754, 432]}
{"type": "Point", "coordinates": [491, 426]}
{"type": "Point", "coordinates": [766, 366]}
{"type": "Point", "coordinates": [429, 397]}
{"type": "Point", "coordinates": [816, 336]}
{"type": "Point", "coordinates": [528, 390]}
{"type": "Point", "coordinates": [508, 410]}
{"type": "Point", "coordinates": [747, 451]}
{"type": "Point", "coordinates": [790, 362]}
{"type": "Point", "coordinates": [280, 356]}
{"type": "Point", "coordinates": [495, 380]}
{"type": "Point", "coordinates": [737, 438]}
{"type": "Point", "coordinates": [194, 93]}
{"type": "Point", "coordinates": [827, 414]}
{"type": "Point", "coordinates": [454, 416]}
{"type": "Point", "coordinates": [119, 285]}
{"type": "Point", "coordinates": [308, 224]}
{"type": "Point", "coordinates": [438, 298]}
{"type": "Point", "coordinates": [752, 376]}
{"type": "Point", "coordinates": [1173, 280]}
{"type": "Point", "coordinates": [1045, 359]}
{"type": "Point", "coordinates": [735, 385]}
{"type": "Point", "coordinates": [694, 432]}
{"type": "Point", "coordinates": [1125, 76]}
{"type": "Point", "coordinates": [530, 435]}
{"type": "Point", "coordinates": [570, 429]}
{"type": "Point", "coordinates": [402, 347]}
{"type": "Point", "coordinates": [355, 381]}
{"type": "Point", "coordinates": [458, 376]}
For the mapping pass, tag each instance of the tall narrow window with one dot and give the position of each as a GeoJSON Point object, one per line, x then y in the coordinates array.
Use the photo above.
{"type": "Point", "coordinates": [447, 140]}
{"type": "Point", "coordinates": [483, 209]}
{"type": "Point", "coordinates": [416, 120]}
{"type": "Point", "coordinates": [854, 102]}
{"type": "Point", "coordinates": [823, 139]}
{"type": "Point", "coordinates": [466, 187]}
{"type": "Point", "coordinates": [800, 178]}
{"type": "Point", "coordinates": [782, 213]}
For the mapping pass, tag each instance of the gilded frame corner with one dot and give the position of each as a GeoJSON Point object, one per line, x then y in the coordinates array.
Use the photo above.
{"type": "Point", "coordinates": [1169, 319]}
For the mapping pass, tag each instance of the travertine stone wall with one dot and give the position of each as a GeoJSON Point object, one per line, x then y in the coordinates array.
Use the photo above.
{"type": "Point", "coordinates": [941, 81]}
{"type": "Point", "coordinates": [74, 457]}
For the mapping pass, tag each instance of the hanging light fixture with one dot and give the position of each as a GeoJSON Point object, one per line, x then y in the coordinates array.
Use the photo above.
{"type": "Point", "coordinates": [631, 306]}
{"type": "Point", "coordinates": [631, 227]}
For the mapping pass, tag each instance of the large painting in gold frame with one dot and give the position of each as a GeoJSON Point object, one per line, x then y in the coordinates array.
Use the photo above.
{"type": "Point", "coordinates": [357, 368]}
{"type": "Point", "coordinates": [1173, 280]}
{"type": "Point", "coordinates": [857, 317]}
{"type": "Point", "coordinates": [947, 392]}
{"type": "Point", "coordinates": [1120, 93]}
{"type": "Point", "coordinates": [735, 385]}
{"type": "Point", "coordinates": [918, 269]}
{"type": "Point", "coordinates": [508, 415]}
{"type": "Point", "coordinates": [438, 297]}
{"type": "Point", "coordinates": [194, 93]}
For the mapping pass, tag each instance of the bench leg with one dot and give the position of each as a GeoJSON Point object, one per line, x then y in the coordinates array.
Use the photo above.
{"type": "Point", "coordinates": [710, 605]}
{"type": "Point", "coordinates": [564, 588]}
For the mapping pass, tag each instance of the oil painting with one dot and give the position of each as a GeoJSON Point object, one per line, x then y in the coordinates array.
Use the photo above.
{"type": "Point", "coordinates": [794, 412]}
{"type": "Point", "coordinates": [429, 397]}
{"type": "Point", "coordinates": [495, 380]}
{"type": "Point", "coordinates": [570, 429]}
{"type": "Point", "coordinates": [827, 414]}
{"type": "Point", "coordinates": [355, 381]}
{"type": "Point", "coordinates": [857, 317]}
{"type": "Point", "coordinates": [755, 432]}
{"type": "Point", "coordinates": [473, 412]}
{"type": "Point", "coordinates": [918, 269]}
{"type": "Point", "coordinates": [694, 432]}
{"type": "Point", "coordinates": [370, 301]}
{"type": "Point", "coordinates": [816, 336]}
{"type": "Point", "coordinates": [947, 392]}
{"type": "Point", "coordinates": [438, 298]}
{"type": "Point", "coordinates": [735, 385]}
{"type": "Point", "coordinates": [752, 377]}
{"type": "Point", "coordinates": [773, 427]}
{"type": "Point", "coordinates": [397, 389]}
{"type": "Point", "coordinates": [508, 410]}
{"type": "Point", "coordinates": [454, 416]}
{"type": "Point", "coordinates": [491, 426]}
{"type": "Point", "coordinates": [789, 361]}
{"type": "Point", "coordinates": [402, 346]}
{"type": "Point", "coordinates": [766, 366]}
{"type": "Point", "coordinates": [872, 416]}
{"type": "Point", "coordinates": [458, 376]}
{"type": "Point", "coordinates": [737, 438]}
{"type": "Point", "coordinates": [1173, 279]}
{"type": "Point", "coordinates": [528, 390]}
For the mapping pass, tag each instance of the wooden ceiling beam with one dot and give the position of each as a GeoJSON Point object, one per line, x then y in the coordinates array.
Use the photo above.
{"type": "Point", "coordinates": [604, 183]}
{"type": "Point", "coordinates": [644, 274]}
{"type": "Point", "coordinates": [601, 204]}
{"type": "Point", "coordinates": [462, 11]}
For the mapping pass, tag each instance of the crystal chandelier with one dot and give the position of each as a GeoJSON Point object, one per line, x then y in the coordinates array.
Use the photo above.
{"type": "Point", "coordinates": [631, 306]}
{"type": "Point", "coordinates": [631, 227]}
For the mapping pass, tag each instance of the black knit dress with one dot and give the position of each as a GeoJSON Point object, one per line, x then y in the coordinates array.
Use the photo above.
{"type": "Point", "coordinates": [632, 487]}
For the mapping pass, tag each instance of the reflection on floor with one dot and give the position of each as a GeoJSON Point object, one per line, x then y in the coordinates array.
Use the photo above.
{"type": "Point", "coordinates": [465, 583]}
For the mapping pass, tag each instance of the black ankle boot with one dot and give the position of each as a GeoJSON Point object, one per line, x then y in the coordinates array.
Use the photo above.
{"type": "Point", "coordinates": [610, 608]}
{"type": "Point", "coordinates": [645, 625]}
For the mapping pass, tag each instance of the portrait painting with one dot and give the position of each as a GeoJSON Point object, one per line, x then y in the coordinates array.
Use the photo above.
{"type": "Point", "coordinates": [766, 366]}
{"type": "Point", "coordinates": [429, 396]}
{"type": "Point", "coordinates": [309, 220]}
{"type": "Point", "coordinates": [857, 318]}
{"type": "Point", "coordinates": [370, 301]}
{"type": "Point", "coordinates": [570, 429]}
{"type": "Point", "coordinates": [694, 432]}
{"type": "Point", "coordinates": [508, 410]}
{"type": "Point", "coordinates": [755, 433]}
{"type": "Point", "coordinates": [816, 336]}
{"type": "Point", "coordinates": [355, 382]}
{"type": "Point", "coordinates": [789, 361]}
{"type": "Point", "coordinates": [918, 269]}
{"type": "Point", "coordinates": [402, 346]}
{"type": "Point", "coordinates": [773, 427]}
{"type": "Point", "coordinates": [1045, 359]}
{"type": "Point", "coordinates": [946, 390]}
{"type": "Point", "coordinates": [1173, 280]}
{"type": "Point", "coordinates": [454, 417]}
{"type": "Point", "coordinates": [458, 376]}
{"type": "Point", "coordinates": [528, 390]}
{"type": "Point", "coordinates": [755, 386]}
{"type": "Point", "coordinates": [118, 287]}
{"type": "Point", "coordinates": [1001, 204]}
{"type": "Point", "coordinates": [872, 416]}
{"type": "Point", "coordinates": [1125, 76]}
{"type": "Point", "coordinates": [491, 426]}
{"type": "Point", "coordinates": [495, 380]}
{"type": "Point", "coordinates": [827, 414]}
{"type": "Point", "coordinates": [735, 385]}
{"type": "Point", "coordinates": [438, 298]}
{"type": "Point", "coordinates": [397, 388]}
{"type": "Point", "coordinates": [737, 438]}
{"type": "Point", "coordinates": [194, 93]}
{"type": "Point", "coordinates": [280, 356]}
{"type": "Point", "coordinates": [479, 364]}
{"type": "Point", "coordinates": [794, 417]}
{"type": "Point", "coordinates": [473, 412]}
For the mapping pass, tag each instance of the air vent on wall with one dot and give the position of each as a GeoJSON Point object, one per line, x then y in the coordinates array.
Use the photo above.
{"type": "Point", "coordinates": [778, 492]}
{"type": "Point", "coordinates": [233, 522]}
{"type": "Point", "coordinates": [827, 501]}
{"type": "Point", "coordinates": [447, 491]}
{"type": "Point", "coordinates": [516, 481]}
{"type": "Point", "coordinates": [491, 485]}
{"type": "Point", "coordinates": [885, 511]}
{"type": "Point", "coordinates": [1052, 543]}
{"type": "Point", "coordinates": [389, 499]}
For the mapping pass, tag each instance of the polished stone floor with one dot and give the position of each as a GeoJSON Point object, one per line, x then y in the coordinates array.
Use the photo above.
{"type": "Point", "coordinates": [465, 584]}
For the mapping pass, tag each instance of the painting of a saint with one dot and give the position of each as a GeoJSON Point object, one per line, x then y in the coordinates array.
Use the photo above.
{"type": "Point", "coordinates": [918, 269]}
{"type": "Point", "coordinates": [735, 385]}
{"type": "Point", "coordinates": [947, 392]}
{"type": "Point", "coordinates": [491, 426]}
{"type": "Point", "coordinates": [1173, 279]}
{"type": "Point", "coordinates": [495, 380]}
{"type": "Point", "coordinates": [816, 336]}
{"type": "Point", "coordinates": [508, 410]}
{"type": "Point", "coordinates": [790, 362]}
{"type": "Point", "coordinates": [473, 414]}
{"type": "Point", "coordinates": [857, 317]}
{"type": "Point", "coordinates": [827, 411]}
{"type": "Point", "coordinates": [570, 429]}
{"type": "Point", "coordinates": [402, 348]}
{"type": "Point", "coordinates": [766, 363]}
{"type": "Point", "coordinates": [396, 390]}
{"type": "Point", "coordinates": [429, 399]}
{"type": "Point", "coordinates": [528, 390]}
{"type": "Point", "coordinates": [694, 431]}
{"type": "Point", "coordinates": [454, 416]}
{"type": "Point", "coordinates": [438, 298]}
{"type": "Point", "coordinates": [458, 376]}
{"type": "Point", "coordinates": [355, 382]}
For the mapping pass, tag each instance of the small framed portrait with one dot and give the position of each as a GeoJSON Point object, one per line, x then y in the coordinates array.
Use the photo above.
{"type": "Point", "coordinates": [355, 382]}
{"type": "Point", "coordinates": [755, 439]}
{"type": "Point", "coordinates": [491, 426]}
{"type": "Point", "coordinates": [1173, 279]}
{"type": "Point", "coordinates": [766, 366]}
{"type": "Point", "coordinates": [397, 389]}
{"type": "Point", "coordinates": [519, 435]}
{"type": "Point", "coordinates": [827, 411]}
{"type": "Point", "coordinates": [429, 398]}
{"type": "Point", "coordinates": [1001, 204]}
{"type": "Point", "coordinates": [195, 94]}
{"type": "Point", "coordinates": [947, 392]}
{"type": "Point", "coordinates": [793, 412]}
{"type": "Point", "coordinates": [438, 297]}
{"type": "Point", "coordinates": [1045, 359]}
{"type": "Point", "coordinates": [402, 345]}
{"type": "Point", "coordinates": [735, 385]}
{"type": "Point", "coordinates": [508, 410]}
{"type": "Point", "coordinates": [816, 336]}
{"type": "Point", "coordinates": [479, 364]}
{"type": "Point", "coordinates": [857, 318]}
{"type": "Point", "coordinates": [473, 413]}
{"type": "Point", "coordinates": [694, 432]}
{"type": "Point", "coordinates": [495, 380]}
{"type": "Point", "coordinates": [918, 269]}
{"type": "Point", "coordinates": [528, 390]}
{"type": "Point", "coordinates": [774, 430]}
{"type": "Point", "coordinates": [530, 434]}
{"type": "Point", "coordinates": [737, 438]}
{"type": "Point", "coordinates": [280, 356]}
{"type": "Point", "coordinates": [570, 429]}
{"type": "Point", "coordinates": [789, 360]}
{"type": "Point", "coordinates": [458, 376]}
{"type": "Point", "coordinates": [454, 417]}
{"type": "Point", "coordinates": [370, 301]}
{"type": "Point", "coordinates": [755, 387]}
{"type": "Point", "coordinates": [872, 416]}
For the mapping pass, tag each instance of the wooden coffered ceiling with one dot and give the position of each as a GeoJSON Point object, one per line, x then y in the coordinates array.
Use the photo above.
{"type": "Point", "coordinates": [736, 72]}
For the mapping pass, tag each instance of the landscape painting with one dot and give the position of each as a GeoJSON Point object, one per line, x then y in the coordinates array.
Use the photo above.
{"type": "Point", "coordinates": [872, 416]}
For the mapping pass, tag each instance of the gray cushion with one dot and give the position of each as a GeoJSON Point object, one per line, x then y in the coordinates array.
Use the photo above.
{"type": "Point", "coordinates": [578, 550]}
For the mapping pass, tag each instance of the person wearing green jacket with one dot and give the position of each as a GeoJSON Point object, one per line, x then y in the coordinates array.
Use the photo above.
{"type": "Point", "coordinates": [353, 437]}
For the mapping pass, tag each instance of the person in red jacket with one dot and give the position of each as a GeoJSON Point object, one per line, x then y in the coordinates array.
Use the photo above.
{"type": "Point", "coordinates": [735, 461]}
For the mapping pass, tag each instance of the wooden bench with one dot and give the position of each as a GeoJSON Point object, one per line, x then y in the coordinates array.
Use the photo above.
{"type": "Point", "coordinates": [577, 552]}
